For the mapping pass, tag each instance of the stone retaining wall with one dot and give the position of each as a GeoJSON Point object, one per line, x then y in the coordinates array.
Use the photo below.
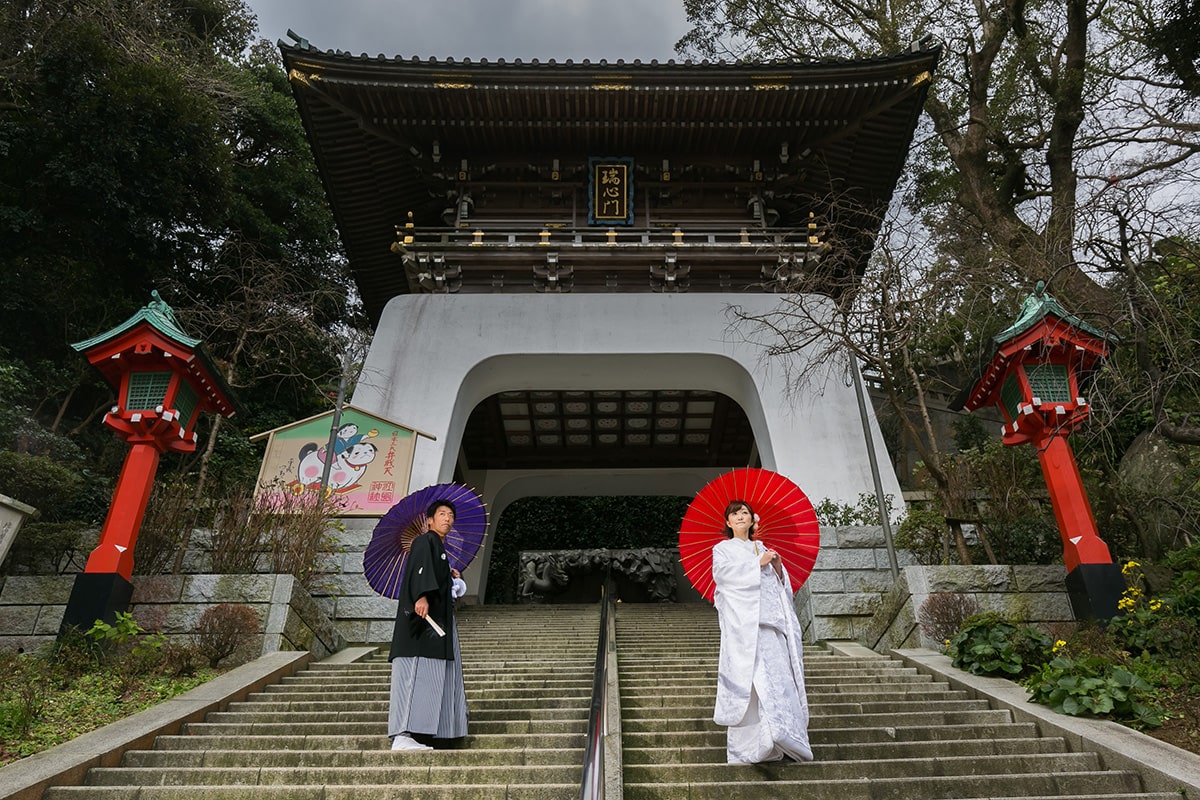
{"type": "Point", "coordinates": [31, 609]}
{"type": "Point", "coordinates": [851, 577]}
{"type": "Point", "coordinates": [1033, 594]}
{"type": "Point", "coordinates": [849, 596]}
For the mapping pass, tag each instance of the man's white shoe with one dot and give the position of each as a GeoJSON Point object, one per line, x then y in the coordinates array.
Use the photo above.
{"type": "Point", "coordinates": [404, 742]}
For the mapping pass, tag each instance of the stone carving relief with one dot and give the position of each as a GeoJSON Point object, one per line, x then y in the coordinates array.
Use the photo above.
{"type": "Point", "coordinates": [643, 575]}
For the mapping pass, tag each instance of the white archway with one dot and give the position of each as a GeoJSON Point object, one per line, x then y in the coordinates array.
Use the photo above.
{"type": "Point", "coordinates": [435, 357]}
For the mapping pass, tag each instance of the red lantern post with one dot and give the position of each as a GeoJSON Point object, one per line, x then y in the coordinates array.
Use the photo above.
{"type": "Point", "coordinates": [1034, 379]}
{"type": "Point", "coordinates": [163, 380]}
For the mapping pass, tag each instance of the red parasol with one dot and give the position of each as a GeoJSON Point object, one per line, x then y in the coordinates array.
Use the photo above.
{"type": "Point", "coordinates": [786, 523]}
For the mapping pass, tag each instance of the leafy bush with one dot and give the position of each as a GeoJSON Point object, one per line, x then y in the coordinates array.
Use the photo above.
{"type": "Point", "coordinates": [41, 482]}
{"type": "Point", "coordinates": [24, 684]}
{"type": "Point", "coordinates": [126, 642]}
{"type": "Point", "coordinates": [1148, 625]}
{"type": "Point", "coordinates": [223, 630]}
{"type": "Point", "coordinates": [1095, 686]}
{"type": "Point", "coordinates": [988, 644]}
{"type": "Point", "coordinates": [864, 512]}
{"type": "Point", "coordinates": [46, 548]}
{"type": "Point", "coordinates": [923, 533]}
{"type": "Point", "coordinates": [55, 491]}
{"type": "Point", "coordinates": [1184, 593]}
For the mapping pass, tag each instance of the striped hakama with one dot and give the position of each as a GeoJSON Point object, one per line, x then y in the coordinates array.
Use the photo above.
{"type": "Point", "coordinates": [428, 696]}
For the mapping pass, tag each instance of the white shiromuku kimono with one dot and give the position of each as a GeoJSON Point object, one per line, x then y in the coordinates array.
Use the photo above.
{"type": "Point", "coordinates": [760, 676]}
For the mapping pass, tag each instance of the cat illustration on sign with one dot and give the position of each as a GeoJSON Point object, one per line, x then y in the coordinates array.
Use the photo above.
{"type": "Point", "coordinates": [351, 456]}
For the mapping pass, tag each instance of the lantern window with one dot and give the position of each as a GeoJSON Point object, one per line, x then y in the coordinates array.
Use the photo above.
{"type": "Point", "coordinates": [147, 390]}
{"type": "Point", "coordinates": [1049, 382]}
{"type": "Point", "coordinates": [1010, 395]}
{"type": "Point", "coordinates": [185, 403]}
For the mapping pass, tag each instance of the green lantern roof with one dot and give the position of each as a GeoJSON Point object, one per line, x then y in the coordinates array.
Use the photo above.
{"type": "Point", "coordinates": [157, 314]}
{"type": "Point", "coordinates": [161, 318]}
{"type": "Point", "coordinates": [1037, 307]}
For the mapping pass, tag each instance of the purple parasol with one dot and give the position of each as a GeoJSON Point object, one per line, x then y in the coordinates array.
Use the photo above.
{"type": "Point", "coordinates": [385, 556]}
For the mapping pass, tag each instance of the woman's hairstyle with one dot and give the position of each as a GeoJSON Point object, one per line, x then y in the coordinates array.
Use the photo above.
{"type": "Point", "coordinates": [733, 506]}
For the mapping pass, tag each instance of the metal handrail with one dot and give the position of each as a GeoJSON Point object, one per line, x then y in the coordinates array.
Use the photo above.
{"type": "Point", "coordinates": [591, 786]}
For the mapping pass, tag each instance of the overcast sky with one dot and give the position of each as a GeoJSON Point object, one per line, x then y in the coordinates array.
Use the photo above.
{"type": "Point", "coordinates": [492, 29]}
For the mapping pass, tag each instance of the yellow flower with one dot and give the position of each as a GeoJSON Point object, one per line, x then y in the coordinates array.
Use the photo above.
{"type": "Point", "coordinates": [1060, 644]}
{"type": "Point", "coordinates": [1155, 605]}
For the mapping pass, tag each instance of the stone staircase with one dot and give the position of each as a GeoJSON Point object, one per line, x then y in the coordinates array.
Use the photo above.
{"type": "Point", "coordinates": [322, 734]}
{"type": "Point", "coordinates": [879, 730]}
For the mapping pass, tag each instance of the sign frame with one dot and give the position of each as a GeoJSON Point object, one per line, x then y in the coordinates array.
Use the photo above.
{"type": "Point", "coordinates": [610, 190]}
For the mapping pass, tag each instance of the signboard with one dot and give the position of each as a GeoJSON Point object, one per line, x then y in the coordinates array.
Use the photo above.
{"type": "Point", "coordinates": [369, 469]}
{"type": "Point", "coordinates": [610, 191]}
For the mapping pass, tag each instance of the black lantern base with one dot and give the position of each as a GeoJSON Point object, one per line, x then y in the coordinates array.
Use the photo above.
{"type": "Point", "coordinates": [96, 595]}
{"type": "Point", "coordinates": [1095, 590]}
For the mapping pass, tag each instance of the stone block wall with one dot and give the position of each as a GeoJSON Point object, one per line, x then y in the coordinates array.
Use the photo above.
{"type": "Point", "coordinates": [31, 609]}
{"type": "Point", "coordinates": [1033, 594]}
{"type": "Point", "coordinates": [343, 595]}
{"type": "Point", "coordinates": [850, 595]}
{"type": "Point", "coordinates": [849, 581]}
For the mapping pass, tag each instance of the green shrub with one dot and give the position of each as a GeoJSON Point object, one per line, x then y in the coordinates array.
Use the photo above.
{"type": "Point", "coordinates": [864, 512]}
{"type": "Point", "coordinates": [923, 533]}
{"type": "Point", "coordinates": [43, 548]}
{"type": "Point", "coordinates": [24, 688]}
{"type": "Point", "coordinates": [41, 482]}
{"type": "Point", "coordinates": [1095, 686]}
{"type": "Point", "coordinates": [1153, 625]}
{"type": "Point", "coordinates": [988, 644]}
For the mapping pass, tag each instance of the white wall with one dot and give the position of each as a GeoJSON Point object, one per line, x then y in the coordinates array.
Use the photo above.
{"type": "Point", "coordinates": [435, 357]}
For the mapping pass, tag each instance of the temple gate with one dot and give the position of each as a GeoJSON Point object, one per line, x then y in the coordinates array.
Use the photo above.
{"type": "Point", "coordinates": [552, 252]}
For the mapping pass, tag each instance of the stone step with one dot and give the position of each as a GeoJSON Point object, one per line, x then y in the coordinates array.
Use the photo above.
{"type": "Point", "coordinates": [531, 682]}
{"type": "Point", "coordinates": [713, 752]}
{"type": "Point", "coordinates": [742, 782]}
{"type": "Point", "coordinates": [378, 728]}
{"type": "Point", "coordinates": [346, 757]}
{"type": "Point", "coordinates": [405, 768]}
{"type": "Point", "coordinates": [822, 713]}
{"type": "Point", "coordinates": [674, 696]}
{"type": "Point", "coordinates": [886, 768]}
{"type": "Point", "coordinates": [934, 735]}
{"type": "Point", "coordinates": [475, 700]}
{"type": "Point", "coordinates": [420, 791]}
{"type": "Point", "coordinates": [368, 741]}
{"type": "Point", "coordinates": [700, 723]}
{"type": "Point", "coordinates": [567, 711]}
{"type": "Point", "coordinates": [494, 689]}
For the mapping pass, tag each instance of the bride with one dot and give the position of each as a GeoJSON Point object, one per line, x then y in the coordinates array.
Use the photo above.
{"type": "Point", "coordinates": [760, 678]}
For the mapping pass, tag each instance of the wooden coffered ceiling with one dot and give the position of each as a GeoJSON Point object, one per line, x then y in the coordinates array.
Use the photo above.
{"type": "Point", "coordinates": [607, 429]}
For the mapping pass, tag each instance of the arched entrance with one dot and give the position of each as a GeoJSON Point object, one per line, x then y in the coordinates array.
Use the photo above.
{"type": "Point", "coordinates": [439, 361]}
